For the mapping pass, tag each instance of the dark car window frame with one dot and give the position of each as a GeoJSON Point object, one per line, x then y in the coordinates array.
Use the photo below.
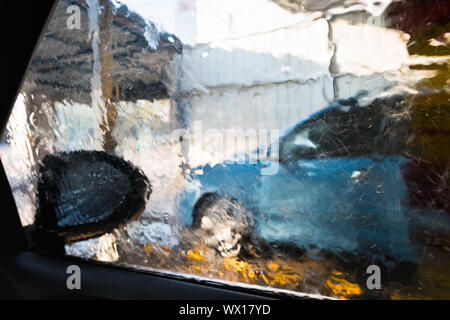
{"type": "Point", "coordinates": [21, 41]}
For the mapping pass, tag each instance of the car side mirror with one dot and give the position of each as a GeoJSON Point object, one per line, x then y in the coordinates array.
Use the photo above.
{"type": "Point", "coordinates": [82, 194]}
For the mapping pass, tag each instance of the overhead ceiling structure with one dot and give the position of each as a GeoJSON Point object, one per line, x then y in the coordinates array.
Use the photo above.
{"type": "Point", "coordinates": [136, 59]}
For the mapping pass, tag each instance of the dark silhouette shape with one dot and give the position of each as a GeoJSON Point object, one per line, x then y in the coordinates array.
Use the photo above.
{"type": "Point", "coordinates": [83, 194]}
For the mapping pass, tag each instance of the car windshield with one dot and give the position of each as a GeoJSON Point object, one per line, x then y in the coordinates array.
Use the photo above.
{"type": "Point", "coordinates": [299, 147]}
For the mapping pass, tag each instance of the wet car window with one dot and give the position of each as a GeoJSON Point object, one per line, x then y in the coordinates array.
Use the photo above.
{"type": "Point", "coordinates": [291, 146]}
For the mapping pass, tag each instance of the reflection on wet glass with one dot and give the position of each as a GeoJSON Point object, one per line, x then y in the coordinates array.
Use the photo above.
{"type": "Point", "coordinates": [289, 149]}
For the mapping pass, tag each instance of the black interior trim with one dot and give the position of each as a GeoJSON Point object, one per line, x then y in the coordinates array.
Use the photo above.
{"type": "Point", "coordinates": [37, 276]}
{"type": "Point", "coordinates": [22, 23]}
